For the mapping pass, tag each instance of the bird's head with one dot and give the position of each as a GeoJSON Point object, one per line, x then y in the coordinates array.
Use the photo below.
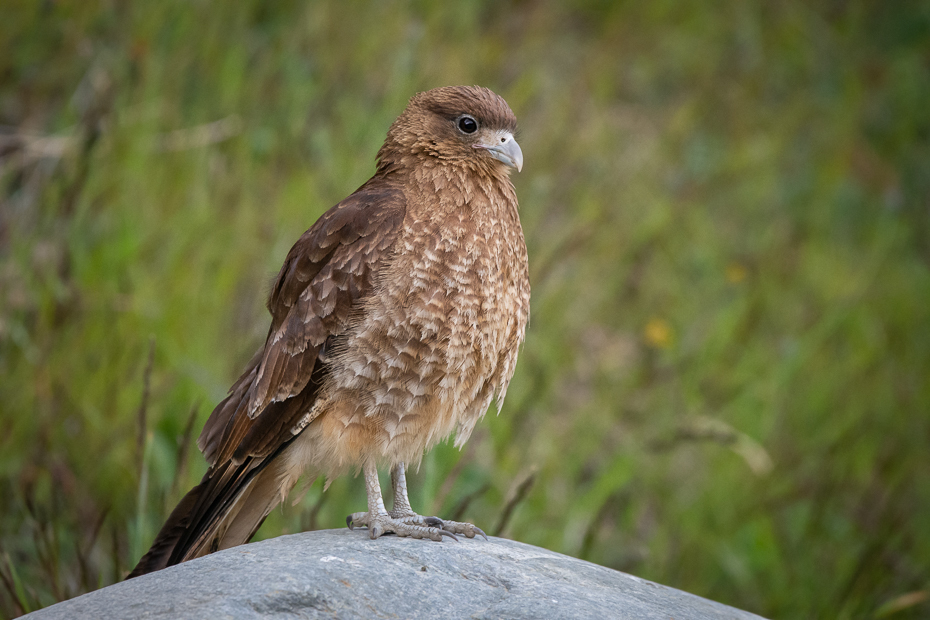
{"type": "Point", "coordinates": [466, 126]}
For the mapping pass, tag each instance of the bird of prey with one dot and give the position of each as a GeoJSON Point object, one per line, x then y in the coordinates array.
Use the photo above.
{"type": "Point", "coordinates": [395, 321]}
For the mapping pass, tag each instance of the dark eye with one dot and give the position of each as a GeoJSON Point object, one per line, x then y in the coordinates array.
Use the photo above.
{"type": "Point", "coordinates": [467, 124]}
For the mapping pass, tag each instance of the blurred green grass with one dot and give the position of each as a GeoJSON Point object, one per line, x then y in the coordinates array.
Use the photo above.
{"type": "Point", "coordinates": [726, 381]}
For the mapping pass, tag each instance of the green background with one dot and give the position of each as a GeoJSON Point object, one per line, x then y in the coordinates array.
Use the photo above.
{"type": "Point", "coordinates": [725, 385]}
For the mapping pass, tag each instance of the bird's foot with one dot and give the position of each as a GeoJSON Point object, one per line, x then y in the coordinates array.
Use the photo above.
{"type": "Point", "coordinates": [408, 524]}
{"type": "Point", "coordinates": [456, 527]}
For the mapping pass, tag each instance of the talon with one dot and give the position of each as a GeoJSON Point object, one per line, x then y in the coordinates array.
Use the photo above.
{"type": "Point", "coordinates": [446, 533]}
{"type": "Point", "coordinates": [376, 531]}
{"type": "Point", "coordinates": [468, 529]}
{"type": "Point", "coordinates": [432, 522]}
{"type": "Point", "coordinates": [349, 522]}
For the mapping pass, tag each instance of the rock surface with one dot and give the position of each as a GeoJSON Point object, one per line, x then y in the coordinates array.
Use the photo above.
{"type": "Point", "coordinates": [344, 574]}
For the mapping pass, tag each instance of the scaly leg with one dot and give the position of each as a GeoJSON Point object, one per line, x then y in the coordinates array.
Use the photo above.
{"type": "Point", "coordinates": [399, 484]}
{"type": "Point", "coordinates": [379, 521]}
{"type": "Point", "coordinates": [403, 513]}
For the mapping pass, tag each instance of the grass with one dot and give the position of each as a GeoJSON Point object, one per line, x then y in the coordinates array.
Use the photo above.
{"type": "Point", "coordinates": [726, 379]}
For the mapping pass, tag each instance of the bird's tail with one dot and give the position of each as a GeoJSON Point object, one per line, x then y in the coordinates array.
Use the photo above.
{"type": "Point", "coordinates": [224, 510]}
{"type": "Point", "coordinates": [172, 531]}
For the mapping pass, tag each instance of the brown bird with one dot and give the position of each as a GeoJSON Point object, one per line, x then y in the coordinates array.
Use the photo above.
{"type": "Point", "coordinates": [396, 320]}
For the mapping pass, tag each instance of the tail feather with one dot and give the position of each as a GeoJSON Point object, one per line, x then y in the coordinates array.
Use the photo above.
{"type": "Point", "coordinates": [215, 508]}
{"type": "Point", "coordinates": [249, 475]}
{"type": "Point", "coordinates": [269, 489]}
{"type": "Point", "coordinates": [171, 532]}
{"type": "Point", "coordinates": [224, 510]}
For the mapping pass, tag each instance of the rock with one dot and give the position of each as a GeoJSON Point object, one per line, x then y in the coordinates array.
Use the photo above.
{"type": "Point", "coordinates": [344, 574]}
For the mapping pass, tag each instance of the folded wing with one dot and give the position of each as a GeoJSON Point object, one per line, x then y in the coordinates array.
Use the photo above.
{"type": "Point", "coordinates": [329, 270]}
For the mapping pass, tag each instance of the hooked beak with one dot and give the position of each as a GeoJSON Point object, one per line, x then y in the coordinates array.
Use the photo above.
{"type": "Point", "coordinates": [504, 149]}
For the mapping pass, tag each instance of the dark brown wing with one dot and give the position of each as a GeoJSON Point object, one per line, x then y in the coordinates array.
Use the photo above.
{"type": "Point", "coordinates": [330, 268]}
{"type": "Point", "coordinates": [326, 272]}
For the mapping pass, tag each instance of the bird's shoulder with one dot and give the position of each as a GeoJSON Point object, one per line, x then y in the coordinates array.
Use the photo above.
{"type": "Point", "coordinates": [347, 239]}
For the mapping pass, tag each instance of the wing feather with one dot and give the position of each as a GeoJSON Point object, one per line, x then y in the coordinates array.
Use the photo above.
{"type": "Point", "coordinates": [330, 268]}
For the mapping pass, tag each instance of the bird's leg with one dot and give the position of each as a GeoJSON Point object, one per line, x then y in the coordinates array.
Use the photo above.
{"type": "Point", "coordinates": [379, 521]}
{"type": "Point", "coordinates": [402, 508]}
{"type": "Point", "coordinates": [401, 502]}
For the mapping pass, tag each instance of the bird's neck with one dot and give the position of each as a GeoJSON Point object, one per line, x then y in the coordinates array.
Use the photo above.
{"type": "Point", "coordinates": [444, 189]}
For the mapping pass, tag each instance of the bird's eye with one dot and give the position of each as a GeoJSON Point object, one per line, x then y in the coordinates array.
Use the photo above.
{"type": "Point", "coordinates": [467, 124]}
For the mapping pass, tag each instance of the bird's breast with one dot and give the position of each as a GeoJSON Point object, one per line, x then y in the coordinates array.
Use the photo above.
{"type": "Point", "coordinates": [436, 341]}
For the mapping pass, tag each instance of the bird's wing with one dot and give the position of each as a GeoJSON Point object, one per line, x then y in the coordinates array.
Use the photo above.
{"type": "Point", "coordinates": [330, 268]}
{"type": "Point", "coordinates": [327, 271]}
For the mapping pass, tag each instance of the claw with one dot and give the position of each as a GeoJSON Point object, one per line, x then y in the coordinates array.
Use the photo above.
{"type": "Point", "coordinates": [357, 519]}
{"type": "Point", "coordinates": [443, 532]}
{"type": "Point", "coordinates": [432, 522]}
{"type": "Point", "coordinates": [468, 529]}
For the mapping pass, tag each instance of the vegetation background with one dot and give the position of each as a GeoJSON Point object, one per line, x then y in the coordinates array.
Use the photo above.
{"type": "Point", "coordinates": [726, 382]}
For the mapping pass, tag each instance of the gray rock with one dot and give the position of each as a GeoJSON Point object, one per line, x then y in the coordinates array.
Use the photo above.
{"type": "Point", "coordinates": [343, 574]}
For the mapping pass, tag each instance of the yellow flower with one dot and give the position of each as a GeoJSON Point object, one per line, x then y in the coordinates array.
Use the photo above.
{"type": "Point", "coordinates": [658, 333]}
{"type": "Point", "coordinates": [736, 273]}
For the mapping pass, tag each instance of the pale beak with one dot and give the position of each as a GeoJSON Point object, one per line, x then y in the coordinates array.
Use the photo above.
{"type": "Point", "coordinates": [504, 149]}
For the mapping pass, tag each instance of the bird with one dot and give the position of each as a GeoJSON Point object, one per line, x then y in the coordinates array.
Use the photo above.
{"type": "Point", "coordinates": [396, 320]}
